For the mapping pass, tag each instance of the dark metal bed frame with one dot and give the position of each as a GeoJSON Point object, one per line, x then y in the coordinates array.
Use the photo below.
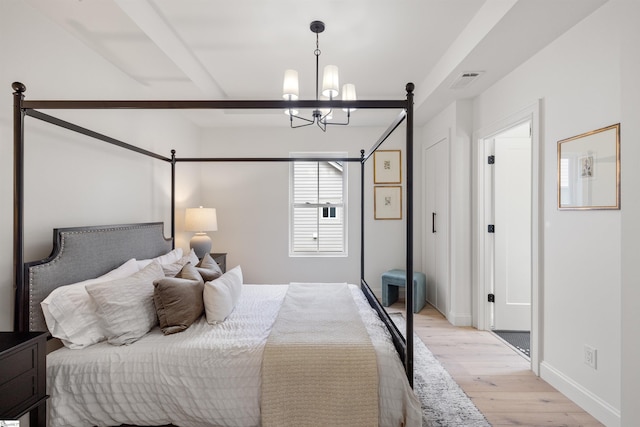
{"type": "Point", "coordinates": [22, 107]}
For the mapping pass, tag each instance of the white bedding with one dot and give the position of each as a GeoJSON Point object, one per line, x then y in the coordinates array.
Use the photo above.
{"type": "Point", "coordinates": [208, 375]}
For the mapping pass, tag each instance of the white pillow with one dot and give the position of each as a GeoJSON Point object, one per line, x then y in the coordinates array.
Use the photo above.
{"type": "Point", "coordinates": [222, 294]}
{"type": "Point", "coordinates": [170, 270]}
{"type": "Point", "coordinates": [125, 306]}
{"type": "Point", "coordinates": [168, 258]}
{"type": "Point", "coordinates": [70, 313]}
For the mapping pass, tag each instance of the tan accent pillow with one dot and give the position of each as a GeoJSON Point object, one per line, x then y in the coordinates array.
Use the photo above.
{"type": "Point", "coordinates": [189, 271]}
{"type": "Point", "coordinates": [209, 268]}
{"type": "Point", "coordinates": [171, 270]}
{"type": "Point", "coordinates": [178, 300]}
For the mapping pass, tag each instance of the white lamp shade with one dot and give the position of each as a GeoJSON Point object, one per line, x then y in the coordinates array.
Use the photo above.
{"type": "Point", "coordinates": [200, 219]}
{"type": "Point", "coordinates": [330, 82]}
{"type": "Point", "coordinates": [290, 85]}
{"type": "Point", "coordinates": [349, 94]}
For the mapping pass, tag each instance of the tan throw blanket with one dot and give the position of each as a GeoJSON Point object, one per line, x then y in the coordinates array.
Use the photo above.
{"type": "Point", "coordinates": [319, 366]}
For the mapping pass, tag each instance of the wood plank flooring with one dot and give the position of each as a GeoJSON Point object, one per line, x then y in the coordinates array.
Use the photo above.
{"type": "Point", "coordinates": [495, 375]}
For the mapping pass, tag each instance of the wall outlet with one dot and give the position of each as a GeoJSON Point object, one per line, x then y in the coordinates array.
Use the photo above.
{"type": "Point", "coordinates": [590, 356]}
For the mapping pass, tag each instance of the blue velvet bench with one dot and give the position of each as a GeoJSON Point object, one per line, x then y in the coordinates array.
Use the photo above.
{"type": "Point", "coordinates": [393, 279]}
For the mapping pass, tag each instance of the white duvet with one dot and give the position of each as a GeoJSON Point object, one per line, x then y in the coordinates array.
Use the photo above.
{"type": "Point", "coordinates": [208, 375]}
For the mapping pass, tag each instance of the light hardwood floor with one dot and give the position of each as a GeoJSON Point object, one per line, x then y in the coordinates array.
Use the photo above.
{"type": "Point", "coordinates": [495, 376]}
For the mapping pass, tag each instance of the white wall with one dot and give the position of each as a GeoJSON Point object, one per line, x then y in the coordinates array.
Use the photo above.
{"type": "Point", "coordinates": [252, 202]}
{"type": "Point", "coordinates": [71, 180]}
{"type": "Point", "coordinates": [578, 79]}
{"type": "Point", "coordinates": [628, 13]}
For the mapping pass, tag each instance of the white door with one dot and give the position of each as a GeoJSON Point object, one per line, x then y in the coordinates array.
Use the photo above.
{"type": "Point", "coordinates": [512, 229]}
{"type": "Point", "coordinates": [436, 193]}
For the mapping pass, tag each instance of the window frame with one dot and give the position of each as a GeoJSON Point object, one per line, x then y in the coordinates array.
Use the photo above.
{"type": "Point", "coordinates": [309, 156]}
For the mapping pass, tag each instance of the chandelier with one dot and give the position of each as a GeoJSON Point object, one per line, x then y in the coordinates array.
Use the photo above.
{"type": "Point", "coordinates": [330, 90]}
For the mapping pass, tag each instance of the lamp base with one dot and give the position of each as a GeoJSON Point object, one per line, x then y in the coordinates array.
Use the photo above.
{"type": "Point", "coordinates": [201, 244]}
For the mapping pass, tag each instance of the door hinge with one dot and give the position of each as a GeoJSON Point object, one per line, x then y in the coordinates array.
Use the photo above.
{"type": "Point", "coordinates": [491, 228]}
{"type": "Point", "coordinates": [491, 298]}
{"type": "Point", "coordinates": [491, 159]}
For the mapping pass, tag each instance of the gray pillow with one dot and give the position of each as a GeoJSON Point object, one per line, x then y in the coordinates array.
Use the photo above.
{"type": "Point", "coordinates": [178, 300]}
{"type": "Point", "coordinates": [209, 268]}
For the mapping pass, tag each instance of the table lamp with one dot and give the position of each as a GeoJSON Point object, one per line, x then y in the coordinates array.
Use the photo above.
{"type": "Point", "coordinates": [200, 220]}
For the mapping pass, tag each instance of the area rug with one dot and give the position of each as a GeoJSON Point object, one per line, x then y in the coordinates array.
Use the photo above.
{"type": "Point", "coordinates": [444, 403]}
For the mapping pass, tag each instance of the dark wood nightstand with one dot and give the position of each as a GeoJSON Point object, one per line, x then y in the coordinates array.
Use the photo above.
{"type": "Point", "coordinates": [23, 376]}
{"type": "Point", "coordinates": [221, 259]}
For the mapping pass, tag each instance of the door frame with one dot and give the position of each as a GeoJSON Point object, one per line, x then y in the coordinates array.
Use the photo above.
{"type": "Point", "coordinates": [482, 286]}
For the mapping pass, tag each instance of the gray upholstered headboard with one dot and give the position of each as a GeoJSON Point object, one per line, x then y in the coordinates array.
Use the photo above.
{"type": "Point", "coordinates": [82, 253]}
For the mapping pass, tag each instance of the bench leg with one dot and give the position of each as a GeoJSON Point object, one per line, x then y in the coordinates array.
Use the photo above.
{"type": "Point", "coordinates": [389, 294]}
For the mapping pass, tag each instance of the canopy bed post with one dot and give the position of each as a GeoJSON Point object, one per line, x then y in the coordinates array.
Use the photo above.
{"type": "Point", "coordinates": [409, 267]}
{"type": "Point", "coordinates": [173, 198]}
{"type": "Point", "coordinates": [18, 201]}
{"type": "Point", "coordinates": [362, 161]}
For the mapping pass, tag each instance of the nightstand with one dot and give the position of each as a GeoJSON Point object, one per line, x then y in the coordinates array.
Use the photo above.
{"type": "Point", "coordinates": [23, 376]}
{"type": "Point", "coordinates": [221, 259]}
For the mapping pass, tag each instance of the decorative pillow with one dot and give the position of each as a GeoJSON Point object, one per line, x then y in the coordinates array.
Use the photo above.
{"type": "Point", "coordinates": [209, 268]}
{"type": "Point", "coordinates": [170, 270]}
{"type": "Point", "coordinates": [125, 306]}
{"type": "Point", "coordinates": [221, 295]}
{"type": "Point", "coordinates": [70, 312]}
{"type": "Point", "coordinates": [190, 272]}
{"type": "Point", "coordinates": [179, 301]}
{"type": "Point", "coordinates": [168, 258]}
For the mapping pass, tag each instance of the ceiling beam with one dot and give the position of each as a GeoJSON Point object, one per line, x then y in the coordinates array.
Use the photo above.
{"type": "Point", "coordinates": [146, 16]}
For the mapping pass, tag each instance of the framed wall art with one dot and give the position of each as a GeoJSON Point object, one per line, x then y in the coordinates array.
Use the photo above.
{"type": "Point", "coordinates": [589, 170]}
{"type": "Point", "coordinates": [387, 167]}
{"type": "Point", "coordinates": [387, 202]}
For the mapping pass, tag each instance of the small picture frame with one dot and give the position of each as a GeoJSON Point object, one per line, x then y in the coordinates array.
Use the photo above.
{"type": "Point", "coordinates": [589, 170]}
{"type": "Point", "coordinates": [387, 202]}
{"type": "Point", "coordinates": [387, 167]}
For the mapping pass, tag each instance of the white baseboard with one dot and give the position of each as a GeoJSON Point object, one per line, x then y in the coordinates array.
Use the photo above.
{"type": "Point", "coordinates": [598, 408]}
{"type": "Point", "coordinates": [460, 319]}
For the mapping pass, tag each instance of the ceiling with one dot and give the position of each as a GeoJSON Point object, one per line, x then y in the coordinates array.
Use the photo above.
{"type": "Point", "coordinates": [207, 49]}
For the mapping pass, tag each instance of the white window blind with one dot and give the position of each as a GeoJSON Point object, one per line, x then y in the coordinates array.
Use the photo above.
{"type": "Point", "coordinates": [318, 208]}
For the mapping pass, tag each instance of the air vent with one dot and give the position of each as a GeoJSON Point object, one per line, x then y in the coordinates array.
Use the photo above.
{"type": "Point", "coordinates": [465, 79]}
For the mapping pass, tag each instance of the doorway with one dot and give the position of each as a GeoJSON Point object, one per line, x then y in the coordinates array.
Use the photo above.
{"type": "Point", "coordinates": [509, 203]}
{"type": "Point", "coordinates": [508, 199]}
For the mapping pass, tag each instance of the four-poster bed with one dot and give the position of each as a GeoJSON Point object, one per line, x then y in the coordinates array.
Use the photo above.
{"type": "Point", "coordinates": [36, 279]}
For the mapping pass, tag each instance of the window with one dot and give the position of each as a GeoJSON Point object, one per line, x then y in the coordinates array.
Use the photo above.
{"type": "Point", "coordinates": [318, 206]}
